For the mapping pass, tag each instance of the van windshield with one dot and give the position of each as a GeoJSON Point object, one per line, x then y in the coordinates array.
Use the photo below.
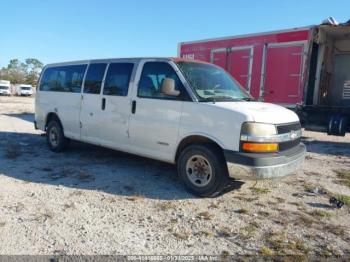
{"type": "Point", "coordinates": [25, 88]}
{"type": "Point", "coordinates": [211, 83]}
{"type": "Point", "coordinates": [4, 87]}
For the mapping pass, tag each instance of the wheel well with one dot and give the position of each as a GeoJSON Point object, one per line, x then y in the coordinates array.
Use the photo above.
{"type": "Point", "coordinates": [52, 116]}
{"type": "Point", "coordinates": [194, 140]}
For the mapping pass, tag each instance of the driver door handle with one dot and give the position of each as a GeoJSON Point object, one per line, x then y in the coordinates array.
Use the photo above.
{"type": "Point", "coordinates": [133, 106]}
{"type": "Point", "coordinates": [103, 106]}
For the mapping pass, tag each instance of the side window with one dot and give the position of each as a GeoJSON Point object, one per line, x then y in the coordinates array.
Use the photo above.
{"type": "Point", "coordinates": [117, 79]}
{"type": "Point", "coordinates": [151, 80]}
{"type": "Point", "coordinates": [94, 77]}
{"type": "Point", "coordinates": [63, 79]}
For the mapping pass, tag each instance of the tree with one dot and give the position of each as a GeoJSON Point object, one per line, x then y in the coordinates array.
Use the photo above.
{"type": "Point", "coordinates": [33, 68]}
{"type": "Point", "coordinates": [22, 73]}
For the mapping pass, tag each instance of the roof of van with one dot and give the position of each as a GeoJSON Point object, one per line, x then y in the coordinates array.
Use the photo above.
{"type": "Point", "coordinates": [24, 85]}
{"type": "Point", "coordinates": [126, 59]}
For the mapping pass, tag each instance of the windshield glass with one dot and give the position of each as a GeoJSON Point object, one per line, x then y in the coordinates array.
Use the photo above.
{"type": "Point", "coordinates": [4, 87]}
{"type": "Point", "coordinates": [211, 83]}
{"type": "Point", "coordinates": [25, 88]}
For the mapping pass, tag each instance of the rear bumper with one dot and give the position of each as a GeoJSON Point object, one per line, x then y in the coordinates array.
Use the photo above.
{"type": "Point", "coordinates": [251, 166]}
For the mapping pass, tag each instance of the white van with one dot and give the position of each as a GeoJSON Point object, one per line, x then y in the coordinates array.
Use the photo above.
{"type": "Point", "coordinates": [24, 90]}
{"type": "Point", "coordinates": [188, 113]}
{"type": "Point", "coordinates": [5, 87]}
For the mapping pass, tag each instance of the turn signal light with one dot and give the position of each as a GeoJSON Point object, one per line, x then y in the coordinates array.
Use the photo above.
{"type": "Point", "coordinates": [259, 148]}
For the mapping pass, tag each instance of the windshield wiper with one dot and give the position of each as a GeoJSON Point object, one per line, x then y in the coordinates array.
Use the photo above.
{"type": "Point", "coordinates": [248, 99]}
{"type": "Point", "coordinates": [216, 98]}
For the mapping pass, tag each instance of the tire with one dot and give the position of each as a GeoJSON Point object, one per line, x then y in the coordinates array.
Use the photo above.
{"type": "Point", "coordinates": [55, 137]}
{"type": "Point", "coordinates": [212, 176]}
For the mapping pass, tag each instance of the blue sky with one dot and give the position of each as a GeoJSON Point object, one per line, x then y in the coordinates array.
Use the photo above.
{"type": "Point", "coordinates": [64, 30]}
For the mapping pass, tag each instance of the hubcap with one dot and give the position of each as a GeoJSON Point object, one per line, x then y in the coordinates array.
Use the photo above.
{"type": "Point", "coordinates": [199, 171]}
{"type": "Point", "coordinates": [53, 136]}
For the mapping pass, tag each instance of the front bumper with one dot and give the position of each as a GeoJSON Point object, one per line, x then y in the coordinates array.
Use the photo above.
{"type": "Point", "coordinates": [255, 166]}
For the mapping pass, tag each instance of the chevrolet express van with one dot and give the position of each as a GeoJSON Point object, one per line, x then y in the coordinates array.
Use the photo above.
{"type": "Point", "coordinates": [189, 113]}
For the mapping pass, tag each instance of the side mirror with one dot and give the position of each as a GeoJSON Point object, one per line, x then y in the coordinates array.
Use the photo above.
{"type": "Point", "coordinates": [168, 87]}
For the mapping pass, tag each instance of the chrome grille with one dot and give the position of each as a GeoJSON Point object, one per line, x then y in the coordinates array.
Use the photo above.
{"type": "Point", "coordinates": [286, 128]}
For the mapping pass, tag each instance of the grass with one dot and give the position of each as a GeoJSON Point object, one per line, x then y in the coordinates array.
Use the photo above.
{"type": "Point", "coordinates": [343, 176]}
{"type": "Point", "coordinates": [249, 231]}
{"type": "Point", "coordinates": [312, 173]}
{"type": "Point", "coordinates": [182, 235]}
{"type": "Point", "coordinates": [297, 204]}
{"type": "Point", "coordinates": [263, 213]}
{"type": "Point", "coordinates": [165, 206]}
{"type": "Point", "coordinates": [225, 232]}
{"type": "Point", "coordinates": [280, 200]}
{"type": "Point", "coordinates": [68, 206]}
{"type": "Point", "coordinates": [135, 197]}
{"type": "Point", "coordinates": [327, 252]}
{"type": "Point", "coordinates": [335, 229]}
{"type": "Point", "coordinates": [243, 211]}
{"type": "Point", "coordinates": [76, 193]}
{"type": "Point", "coordinates": [304, 219]}
{"type": "Point", "coordinates": [283, 245]}
{"type": "Point", "coordinates": [259, 190]}
{"type": "Point", "coordinates": [213, 205]}
{"type": "Point", "coordinates": [205, 215]}
{"type": "Point", "coordinates": [319, 213]}
{"type": "Point", "coordinates": [13, 151]}
{"type": "Point", "coordinates": [174, 221]}
{"type": "Point", "coordinates": [224, 255]}
{"type": "Point", "coordinates": [205, 233]}
{"type": "Point", "coordinates": [266, 251]}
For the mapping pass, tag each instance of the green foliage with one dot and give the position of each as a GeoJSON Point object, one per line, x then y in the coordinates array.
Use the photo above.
{"type": "Point", "coordinates": [22, 72]}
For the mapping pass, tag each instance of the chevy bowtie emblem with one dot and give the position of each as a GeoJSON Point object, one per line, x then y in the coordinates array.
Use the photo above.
{"type": "Point", "coordinates": [293, 135]}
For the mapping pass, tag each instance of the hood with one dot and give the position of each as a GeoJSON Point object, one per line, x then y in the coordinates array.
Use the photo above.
{"type": "Point", "coordinates": [261, 112]}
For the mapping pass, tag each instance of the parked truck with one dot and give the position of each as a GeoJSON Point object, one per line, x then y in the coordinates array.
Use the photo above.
{"type": "Point", "coordinates": [24, 90]}
{"type": "Point", "coordinates": [305, 69]}
{"type": "Point", "coordinates": [5, 87]}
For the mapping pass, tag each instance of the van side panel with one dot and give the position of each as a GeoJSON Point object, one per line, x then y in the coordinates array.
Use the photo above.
{"type": "Point", "coordinates": [65, 105]}
{"type": "Point", "coordinates": [60, 93]}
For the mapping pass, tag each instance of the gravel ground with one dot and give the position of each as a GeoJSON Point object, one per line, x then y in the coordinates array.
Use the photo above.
{"type": "Point", "coordinates": [91, 200]}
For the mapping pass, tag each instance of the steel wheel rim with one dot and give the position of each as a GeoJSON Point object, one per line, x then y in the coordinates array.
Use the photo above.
{"type": "Point", "coordinates": [199, 171]}
{"type": "Point", "coordinates": [53, 136]}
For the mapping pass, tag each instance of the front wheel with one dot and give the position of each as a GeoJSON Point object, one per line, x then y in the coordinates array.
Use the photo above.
{"type": "Point", "coordinates": [203, 169]}
{"type": "Point", "coordinates": [55, 137]}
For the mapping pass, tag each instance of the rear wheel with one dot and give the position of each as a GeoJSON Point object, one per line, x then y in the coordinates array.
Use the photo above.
{"type": "Point", "coordinates": [55, 137]}
{"type": "Point", "coordinates": [203, 169]}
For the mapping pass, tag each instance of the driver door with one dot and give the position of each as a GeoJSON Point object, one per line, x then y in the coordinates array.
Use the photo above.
{"type": "Point", "coordinates": [155, 117]}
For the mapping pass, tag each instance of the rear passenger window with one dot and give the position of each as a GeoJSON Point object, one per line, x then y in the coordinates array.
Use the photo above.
{"type": "Point", "coordinates": [63, 79]}
{"type": "Point", "coordinates": [94, 78]}
{"type": "Point", "coordinates": [117, 79]}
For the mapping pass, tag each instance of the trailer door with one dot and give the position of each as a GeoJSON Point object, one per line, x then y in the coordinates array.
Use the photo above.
{"type": "Point", "coordinates": [240, 61]}
{"type": "Point", "coordinates": [283, 73]}
{"type": "Point", "coordinates": [219, 57]}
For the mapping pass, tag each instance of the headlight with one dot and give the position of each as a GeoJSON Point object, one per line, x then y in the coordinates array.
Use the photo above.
{"type": "Point", "coordinates": [258, 137]}
{"type": "Point", "coordinates": [258, 129]}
